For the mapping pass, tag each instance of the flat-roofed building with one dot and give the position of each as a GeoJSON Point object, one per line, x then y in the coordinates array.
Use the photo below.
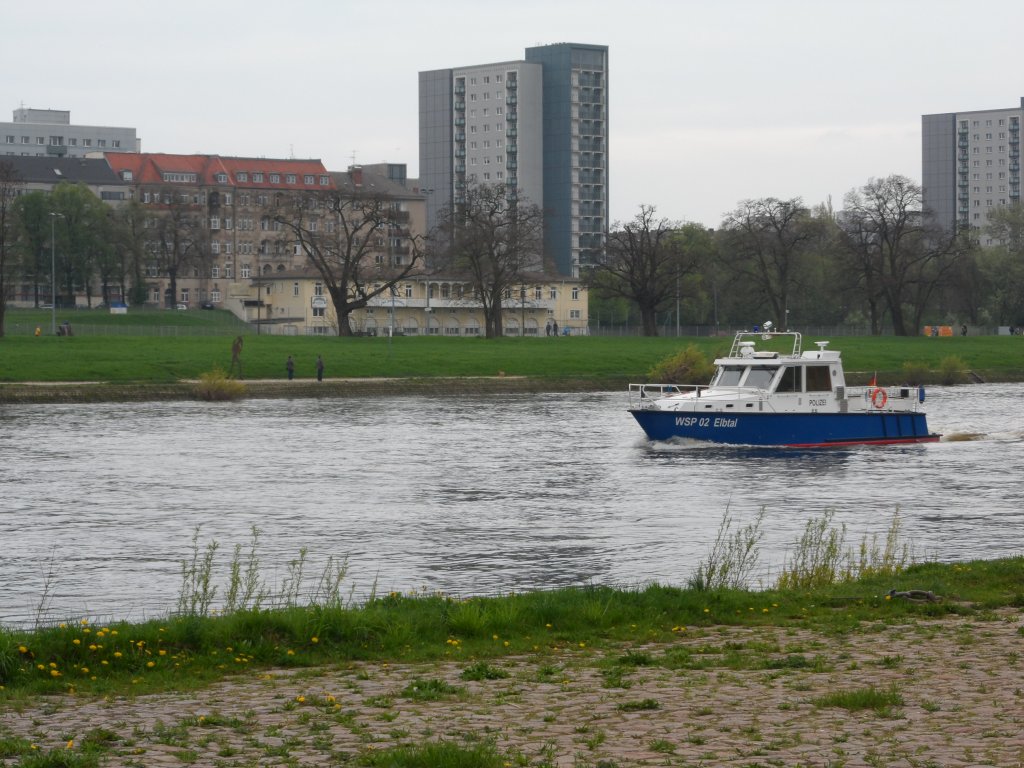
{"type": "Point", "coordinates": [50, 132]}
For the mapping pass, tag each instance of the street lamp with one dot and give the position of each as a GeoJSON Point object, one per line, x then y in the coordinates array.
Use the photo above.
{"type": "Point", "coordinates": [53, 274]}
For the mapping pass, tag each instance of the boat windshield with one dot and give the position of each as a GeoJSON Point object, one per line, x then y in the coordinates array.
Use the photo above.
{"type": "Point", "coordinates": [760, 377]}
{"type": "Point", "coordinates": [729, 376]}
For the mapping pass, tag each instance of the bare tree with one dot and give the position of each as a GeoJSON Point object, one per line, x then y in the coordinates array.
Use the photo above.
{"type": "Point", "coordinates": [10, 183]}
{"type": "Point", "coordinates": [1003, 264]}
{"type": "Point", "coordinates": [179, 237]}
{"type": "Point", "coordinates": [902, 259]}
{"type": "Point", "coordinates": [765, 241]}
{"type": "Point", "coordinates": [357, 239]}
{"type": "Point", "coordinates": [496, 238]}
{"type": "Point", "coordinates": [647, 260]}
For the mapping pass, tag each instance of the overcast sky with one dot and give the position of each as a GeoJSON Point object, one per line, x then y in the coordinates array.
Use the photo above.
{"type": "Point", "coordinates": [711, 102]}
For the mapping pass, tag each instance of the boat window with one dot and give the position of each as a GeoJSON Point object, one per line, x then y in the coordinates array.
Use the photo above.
{"type": "Point", "coordinates": [760, 377]}
{"type": "Point", "coordinates": [728, 376]}
{"type": "Point", "coordinates": [790, 381]}
{"type": "Point", "coordinates": [818, 378]}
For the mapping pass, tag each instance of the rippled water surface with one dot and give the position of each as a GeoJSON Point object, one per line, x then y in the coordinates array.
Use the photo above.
{"type": "Point", "coordinates": [464, 495]}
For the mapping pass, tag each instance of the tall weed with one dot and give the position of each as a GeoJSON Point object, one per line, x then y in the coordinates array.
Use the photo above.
{"type": "Point", "coordinates": [732, 558]}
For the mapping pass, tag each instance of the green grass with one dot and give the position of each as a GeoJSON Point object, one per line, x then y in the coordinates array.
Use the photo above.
{"type": "Point", "coordinates": [162, 359]}
{"type": "Point", "coordinates": [191, 651]}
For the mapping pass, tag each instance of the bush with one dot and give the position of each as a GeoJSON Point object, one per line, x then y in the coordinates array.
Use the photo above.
{"type": "Point", "coordinates": [688, 366]}
{"type": "Point", "coordinates": [215, 385]}
{"type": "Point", "coordinates": [916, 373]}
{"type": "Point", "coordinates": [952, 370]}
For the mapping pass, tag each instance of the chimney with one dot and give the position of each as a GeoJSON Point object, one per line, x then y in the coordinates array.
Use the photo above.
{"type": "Point", "coordinates": [356, 173]}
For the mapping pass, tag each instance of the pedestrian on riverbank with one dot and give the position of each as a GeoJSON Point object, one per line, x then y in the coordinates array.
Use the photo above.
{"type": "Point", "coordinates": [319, 368]}
{"type": "Point", "coordinates": [289, 365]}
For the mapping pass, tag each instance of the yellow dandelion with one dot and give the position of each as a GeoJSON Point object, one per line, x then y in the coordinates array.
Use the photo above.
{"type": "Point", "coordinates": [92, 647]}
{"type": "Point", "coordinates": [105, 663]}
{"type": "Point", "coordinates": [764, 610]}
{"type": "Point", "coordinates": [494, 637]}
{"type": "Point", "coordinates": [291, 652]}
{"type": "Point", "coordinates": [314, 639]}
{"type": "Point", "coordinates": [300, 699]}
{"type": "Point", "coordinates": [22, 649]}
{"type": "Point", "coordinates": [40, 667]}
{"type": "Point", "coordinates": [76, 641]}
{"type": "Point", "coordinates": [85, 670]}
{"type": "Point", "coordinates": [53, 665]}
{"type": "Point", "coordinates": [70, 744]}
{"type": "Point", "coordinates": [583, 645]}
{"type": "Point", "coordinates": [163, 652]}
{"type": "Point", "coordinates": [117, 654]}
{"type": "Point", "coordinates": [548, 626]}
{"type": "Point", "coordinates": [54, 673]}
{"type": "Point", "coordinates": [329, 699]}
{"type": "Point", "coordinates": [707, 610]}
{"type": "Point", "coordinates": [150, 664]}
{"type": "Point", "coordinates": [506, 643]}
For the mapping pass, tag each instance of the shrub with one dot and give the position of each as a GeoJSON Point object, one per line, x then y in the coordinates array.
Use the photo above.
{"type": "Point", "coordinates": [952, 370]}
{"type": "Point", "coordinates": [215, 385]}
{"type": "Point", "coordinates": [688, 366]}
{"type": "Point", "coordinates": [915, 373]}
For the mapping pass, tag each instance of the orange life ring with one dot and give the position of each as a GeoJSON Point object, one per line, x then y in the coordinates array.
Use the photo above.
{"type": "Point", "coordinates": [879, 398]}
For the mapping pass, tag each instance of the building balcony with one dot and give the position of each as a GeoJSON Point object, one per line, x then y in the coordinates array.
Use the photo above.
{"type": "Point", "coordinates": [511, 84]}
{"type": "Point", "coordinates": [511, 99]}
{"type": "Point", "coordinates": [460, 153]}
{"type": "Point", "coordinates": [460, 106]}
{"type": "Point", "coordinates": [1014, 167]}
{"type": "Point", "coordinates": [460, 121]}
{"type": "Point", "coordinates": [460, 167]}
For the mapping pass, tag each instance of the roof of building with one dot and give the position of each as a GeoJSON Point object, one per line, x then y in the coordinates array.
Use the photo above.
{"type": "Point", "coordinates": [361, 179]}
{"type": "Point", "coordinates": [53, 170]}
{"type": "Point", "coordinates": [212, 170]}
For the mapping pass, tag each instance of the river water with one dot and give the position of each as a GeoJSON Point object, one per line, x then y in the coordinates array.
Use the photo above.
{"type": "Point", "coordinates": [465, 495]}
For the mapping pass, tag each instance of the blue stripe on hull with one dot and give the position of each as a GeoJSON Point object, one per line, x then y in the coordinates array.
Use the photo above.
{"type": "Point", "coordinates": [792, 429]}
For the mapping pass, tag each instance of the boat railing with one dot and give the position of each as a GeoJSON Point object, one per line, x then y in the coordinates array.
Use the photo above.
{"type": "Point", "coordinates": [644, 395]}
{"type": "Point", "coordinates": [742, 336]}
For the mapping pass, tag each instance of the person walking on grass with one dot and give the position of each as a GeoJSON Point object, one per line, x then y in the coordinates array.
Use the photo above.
{"type": "Point", "coordinates": [289, 365]}
{"type": "Point", "coordinates": [319, 368]}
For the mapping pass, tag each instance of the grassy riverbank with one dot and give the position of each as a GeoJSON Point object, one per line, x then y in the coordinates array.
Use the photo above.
{"type": "Point", "coordinates": [156, 360]}
{"type": "Point", "coordinates": [584, 677]}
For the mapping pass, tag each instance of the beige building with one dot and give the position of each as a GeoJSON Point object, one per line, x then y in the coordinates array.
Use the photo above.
{"type": "Point", "coordinates": [295, 303]}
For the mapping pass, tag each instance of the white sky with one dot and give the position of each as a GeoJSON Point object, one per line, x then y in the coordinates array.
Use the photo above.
{"type": "Point", "coordinates": [711, 102]}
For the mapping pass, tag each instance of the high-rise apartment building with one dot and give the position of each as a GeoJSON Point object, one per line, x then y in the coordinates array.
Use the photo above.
{"type": "Point", "coordinates": [49, 132]}
{"type": "Point", "coordinates": [970, 164]}
{"type": "Point", "coordinates": [538, 126]}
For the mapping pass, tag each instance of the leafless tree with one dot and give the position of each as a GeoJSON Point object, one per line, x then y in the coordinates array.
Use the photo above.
{"type": "Point", "coordinates": [178, 236]}
{"type": "Point", "coordinates": [357, 239]}
{"type": "Point", "coordinates": [494, 237]}
{"type": "Point", "coordinates": [10, 183]}
{"type": "Point", "coordinates": [647, 260]}
{"type": "Point", "coordinates": [902, 258]}
{"type": "Point", "coordinates": [765, 241]}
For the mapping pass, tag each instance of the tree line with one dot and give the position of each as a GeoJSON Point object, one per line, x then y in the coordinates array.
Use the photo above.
{"type": "Point", "coordinates": [880, 262]}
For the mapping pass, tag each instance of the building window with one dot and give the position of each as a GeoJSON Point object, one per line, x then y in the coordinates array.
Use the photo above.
{"type": "Point", "coordinates": [574, 314]}
{"type": "Point", "coordinates": [242, 176]}
{"type": "Point", "coordinates": [215, 269]}
{"type": "Point", "coordinates": [308, 179]}
{"type": "Point", "coordinates": [295, 289]}
{"type": "Point", "coordinates": [215, 296]}
{"type": "Point", "coordinates": [246, 271]}
{"type": "Point", "coordinates": [324, 181]}
{"type": "Point", "coordinates": [40, 140]}
{"type": "Point", "coordinates": [318, 289]}
{"type": "Point", "coordinates": [215, 222]}
{"type": "Point", "coordinates": [257, 178]}
{"type": "Point", "coordinates": [553, 294]}
{"type": "Point", "coordinates": [290, 178]}
{"type": "Point", "coordinates": [184, 295]}
{"type": "Point", "coordinates": [575, 293]}
{"type": "Point", "coordinates": [222, 178]}
{"type": "Point", "coordinates": [229, 271]}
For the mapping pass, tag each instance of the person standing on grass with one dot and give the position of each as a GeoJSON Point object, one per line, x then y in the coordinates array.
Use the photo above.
{"type": "Point", "coordinates": [289, 365]}
{"type": "Point", "coordinates": [319, 368]}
